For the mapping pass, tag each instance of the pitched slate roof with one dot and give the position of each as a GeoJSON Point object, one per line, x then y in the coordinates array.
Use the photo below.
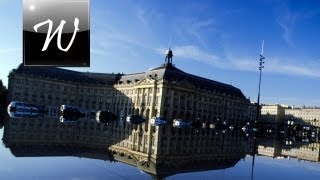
{"type": "Point", "coordinates": [68, 75]}
{"type": "Point", "coordinates": [166, 71]}
{"type": "Point", "coordinates": [172, 74]}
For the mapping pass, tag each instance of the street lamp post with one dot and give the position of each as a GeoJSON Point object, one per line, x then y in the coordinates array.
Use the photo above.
{"type": "Point", "coordinates": [261, 62]}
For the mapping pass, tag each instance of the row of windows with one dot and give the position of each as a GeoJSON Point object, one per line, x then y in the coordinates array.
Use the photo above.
{"type": "Point", "coordinates": [81, 98]}
{"type": "Point", "coordinates": [137, 91]}
{"type": "Point", "coordinates": [137, 99]}
{"type": "Point", "coordinates": [198, 97]}
{"type": "Point", "coordinates": [53, 87]}
{"type": "Point", "coordinates": [202, 107]}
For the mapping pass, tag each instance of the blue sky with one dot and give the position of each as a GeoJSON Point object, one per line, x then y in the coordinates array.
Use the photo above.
{"type": "Point", "coordinates": [219, 40]}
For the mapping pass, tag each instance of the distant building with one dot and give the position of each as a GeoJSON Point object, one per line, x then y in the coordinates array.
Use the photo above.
{"type": "Point", "coordinates": [269, 147]}
{"type": "Point", "coordinates": [272, 113]}
{"type": "Point", "coordinates": [165, 91]}
{"type": "Point", "coordinates": [305, 151]}
{"type": "Point", "coordinates": [287, 115]}
{"type": "Point", "coordinates": [303, 116]}
{"type": "Point", "coordinates": [276, 148]}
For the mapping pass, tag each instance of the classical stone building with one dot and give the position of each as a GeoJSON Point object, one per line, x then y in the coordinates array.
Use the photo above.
{"type": "Point", "coordinates": [165, 91]}
{"type": "Point", "coordinates": [303, 116]}
{"type": "Point", "coordinates": [287, 115]}
{"type": "Point", "coordinates": [171, 93]}
{"type": "Point", "coordinates": [50, 86]}
{"type": "Point", "coordinates": [272, 113]}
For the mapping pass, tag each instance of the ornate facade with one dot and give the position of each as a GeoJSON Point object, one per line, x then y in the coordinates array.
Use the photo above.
{"type": "Point", "coordinates": [49, 86]}
{"type": "Point", "coordinates": [165, 91]}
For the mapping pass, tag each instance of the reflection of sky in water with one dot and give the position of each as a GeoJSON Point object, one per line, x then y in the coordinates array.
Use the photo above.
{"type": "Point", "coordinates": [83, 168]}
{"type": "Point", "coordinates": [63, 168]}
{"type": "Point", "coordinates": [265, 169]}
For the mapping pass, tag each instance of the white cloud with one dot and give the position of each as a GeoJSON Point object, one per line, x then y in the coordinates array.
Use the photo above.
{"type": "Point", "coordinates": [286, 33]}
{"type": "Point", "coordinates": [193, 32]}
{"type": "Point", "coordinates": [240, 63]}
{"type": "Point", "coordinates": [232, 62]}
{"type": "Point", "coordinates": [147, 16]}
{"type": "Point", "coordinates": [195, 53]}
{"type": "Point", "coordinates": [99, 51]}
{"type": "Point", "coordinates": [282, 65]}
{"type": "Point", "coordinates": [292, 67]}
{"type": "Point", "coordinates": [141, 13]}
{"type": "Point", "coordinates": [191, 29]}
{"type": "Point", "coordinates": [107, 39]}
{"type": "Point", "coordinates": [9, 50]}
{"type": "Point", "coordinates": [287, 20]}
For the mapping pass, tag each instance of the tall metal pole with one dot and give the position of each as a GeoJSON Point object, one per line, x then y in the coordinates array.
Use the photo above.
{"type": "Point", "coordinates": [261, 62]}
{"type": "Point", "coordinates": [253, 156]}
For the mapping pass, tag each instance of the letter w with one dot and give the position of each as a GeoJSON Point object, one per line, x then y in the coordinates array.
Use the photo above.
{"type": "Point", "coordinates": [60, 28]}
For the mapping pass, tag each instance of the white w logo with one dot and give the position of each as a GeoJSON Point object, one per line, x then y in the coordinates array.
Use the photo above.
{"type": "Point", "coordinates": [60, 28]}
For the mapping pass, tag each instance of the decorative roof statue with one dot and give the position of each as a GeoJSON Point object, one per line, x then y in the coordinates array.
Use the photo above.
{"type": "Point", "coordinates": [169, 55]}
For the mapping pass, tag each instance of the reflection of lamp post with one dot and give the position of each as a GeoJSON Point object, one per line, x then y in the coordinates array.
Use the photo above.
{"type": "Point", "coordinates": [258, 107]}
{"type": "Point", "coordinates": [260, 69]}
{"type": "Point", "coordinates": [253, 156]}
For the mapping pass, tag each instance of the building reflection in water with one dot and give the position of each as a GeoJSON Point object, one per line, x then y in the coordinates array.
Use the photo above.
{"type": "Point", "coordinates": [282, 148]}
{"type": "Point", "coordinates": [173, 150]}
